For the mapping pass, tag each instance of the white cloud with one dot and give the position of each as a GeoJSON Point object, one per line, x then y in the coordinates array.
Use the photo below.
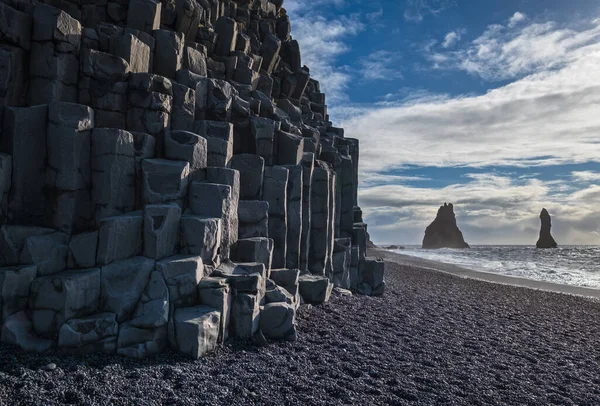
{"type": "Point", "coordinates": [550, 117]}
{"type": "Point", "coordinates": [417, 10]}
{"type": "Point", "coordinates": [547, 115]}
{"type": "Point", "coordinates": [322, 41]}
{"type": "Point", "coordinates": [452, 38]}
{"type": "Point", "coordinates": [586, 176]}
{"type": "Point", "coordinates": [516, 19]}
{"type": "Point", "coordinates": [490, 209]}
{"type": "Point", "coordinates": [377, 179]}
{"type": "Point", "coordinates": [375, 16]}
{"type": "Point", "coordinates": [514, 50]}
{"type": "Point", "coordinates": [380, 65]}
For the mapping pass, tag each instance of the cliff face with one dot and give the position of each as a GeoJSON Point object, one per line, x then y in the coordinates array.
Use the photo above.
{"type": "Point", "coordinates": [443, 232]}
{"type": "Point", "coordinates": [166, 169]}
{"type": "Point", "coordinates": [546, 240]}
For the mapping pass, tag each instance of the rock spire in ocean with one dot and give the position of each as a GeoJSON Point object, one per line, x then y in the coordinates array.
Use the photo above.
{"type": "Point", "coordinates": [546, 240]}
{"type": "Point", "coordinates": [444, 232]}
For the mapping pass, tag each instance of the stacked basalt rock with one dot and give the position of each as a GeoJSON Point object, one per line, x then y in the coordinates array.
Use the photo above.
{"type": "Point", "coordinates": [168, 176]}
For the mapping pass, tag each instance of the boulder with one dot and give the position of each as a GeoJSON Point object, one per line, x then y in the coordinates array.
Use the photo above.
{"type": "Point", "coordinates": [63, 296]}
{"type": "Point", "coordinates": [315, 289]}
{"type": "Point", "coordinates": [443, 232]}
{"type": "Point", "coordinates": [373, 283]}
{"type": "Point", "coordinates": [196, 330]}
{"type": "Point", "coordinates": [546, 240]}
{"type": "Point", "coordinates": [182, 274]}
{"type": "Point", "coordinates": [215, 293]}
{"type": "Point", "coordinates": [17, 330]}
{"type": "Point", "coordinates": [245, 315]}
{"type": "Point", "coordinates": [277, 294]}
{"type": "Point", "coordinates": [246, 282]}
{"type": "Point", "coordinates": [97, 333]}
{"type": "Point", "coordinates": [278, 321]}
{"type": "Point", "coordinates": [342, 253]}
{"type": "Point", "coordinates": [285, 277]}
{"type": "Point", "coordinates": [134, 342]}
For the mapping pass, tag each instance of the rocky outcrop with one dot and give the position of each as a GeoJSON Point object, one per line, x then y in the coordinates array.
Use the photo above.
{"type": "Point", "coordinates": [546, 240]}
{"type": "Point", "coordinates": [444, 232]}
{"type": "Point", "coordinates": [169, 175]}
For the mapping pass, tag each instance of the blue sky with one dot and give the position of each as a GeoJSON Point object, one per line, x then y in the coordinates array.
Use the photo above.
{"type": "Point", "coordinates": [491, 105]}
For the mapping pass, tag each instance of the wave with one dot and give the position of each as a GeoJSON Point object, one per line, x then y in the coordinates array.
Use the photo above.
{"type": "Point", "coordinates": [569, 265]}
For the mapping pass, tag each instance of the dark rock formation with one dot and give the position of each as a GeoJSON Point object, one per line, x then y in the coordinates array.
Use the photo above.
{"type": "Point", "coordinates": [394, 247]}
{"type": "Point", "coordinates": [443, 232]}
{"type": "Point", "coordinates": [370, 244]}
{"type": "Point", "coordinates": [160, 161]}
{"type": "Point", "coordinates": [546, 240]}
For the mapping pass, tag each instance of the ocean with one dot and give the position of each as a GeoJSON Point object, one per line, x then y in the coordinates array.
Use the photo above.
{"type": "Point", "coordinates": [568, 265]}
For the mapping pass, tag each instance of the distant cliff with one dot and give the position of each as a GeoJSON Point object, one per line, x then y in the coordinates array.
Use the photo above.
{"type": "Point", "coordinates": [546, 240]}
{"type": "Point", "coordinates": [443, 232]}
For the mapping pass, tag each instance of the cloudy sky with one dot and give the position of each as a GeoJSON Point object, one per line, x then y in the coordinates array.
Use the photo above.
{"type": "Point", "coordinates": [491, 105]}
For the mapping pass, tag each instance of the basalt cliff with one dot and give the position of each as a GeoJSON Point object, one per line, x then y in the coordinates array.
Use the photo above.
{"type": "Point", "coordinates": [169, 176]}
{"type": "Point", "coordinates": [444, 232]}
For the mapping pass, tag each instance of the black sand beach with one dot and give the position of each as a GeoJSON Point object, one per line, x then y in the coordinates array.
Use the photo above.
{"type": "Point", "coordinates": [434, 338]}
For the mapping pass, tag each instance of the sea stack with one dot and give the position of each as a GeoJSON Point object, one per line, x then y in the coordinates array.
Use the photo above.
{"type": "Point", "coordinates": [546, 240]}
{"type": "Point", "coordinates": [443, 232]}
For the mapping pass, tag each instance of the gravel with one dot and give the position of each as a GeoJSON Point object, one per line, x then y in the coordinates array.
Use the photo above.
{"type": "Point", "coordinates": [432, 339]}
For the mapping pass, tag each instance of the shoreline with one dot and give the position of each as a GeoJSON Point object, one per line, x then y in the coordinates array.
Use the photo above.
{"type": "Point", "coordinates": [461, 272]}
{"type": "Point", "coordinates": [432, 338]}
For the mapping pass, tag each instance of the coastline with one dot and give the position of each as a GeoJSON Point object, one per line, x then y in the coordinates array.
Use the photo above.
{"type": "Point", "coordinates": [433, 338]}
{"type": "Point", "coordinates": [461, 272]}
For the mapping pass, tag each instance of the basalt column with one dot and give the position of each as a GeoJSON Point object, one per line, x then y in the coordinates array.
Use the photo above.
{"type": "Point", "coordinates": [169, 177]}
